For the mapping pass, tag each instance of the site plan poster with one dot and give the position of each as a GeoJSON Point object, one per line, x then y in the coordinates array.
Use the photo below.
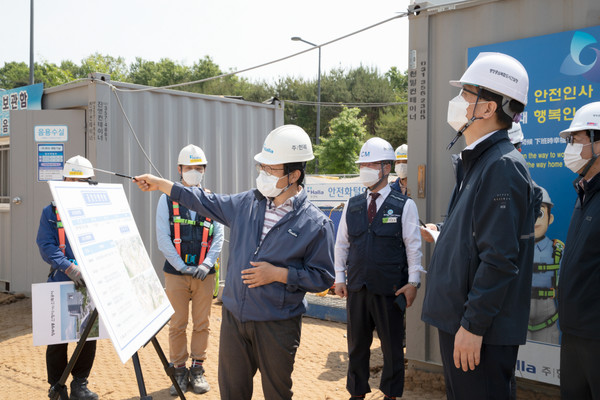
{"type": "Point", "coordinates": [60, 313]}
{"type": "Point", "coordinates": [115, 265]}
{"type": "Point", "coordinates": [564, 75]}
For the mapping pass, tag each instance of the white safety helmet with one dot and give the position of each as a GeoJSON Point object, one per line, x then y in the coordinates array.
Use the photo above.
{"type": "Point", "coordinates": [402, 152]}
{"type": "Point", "coordinates": [285, 144]}
{"type": "Point", "coordinates": [586, 118]}
{"type": "Point", "coordinates": [78, 167]}
{"type": "Point", "coordinates": [191, 155]}
{"type": "Point", "coordinates": [498, 73]}
{"type": "Point", "coordinates": [376, 149]}
{"type": "Point", "coordinates": [546, 197]}
{"type": "Point", "coordinates": [515, 134]}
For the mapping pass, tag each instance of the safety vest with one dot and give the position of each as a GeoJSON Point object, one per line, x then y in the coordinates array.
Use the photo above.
{"type": "Point", "coordinates": [376, 256]}
{"type": "Point", "coordinates": [541, 293]}
{"type": "Point", "coordinates": [192, 238]}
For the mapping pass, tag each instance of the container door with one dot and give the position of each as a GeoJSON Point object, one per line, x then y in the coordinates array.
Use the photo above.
{"type": "Point", "coordinates": [40, 142]}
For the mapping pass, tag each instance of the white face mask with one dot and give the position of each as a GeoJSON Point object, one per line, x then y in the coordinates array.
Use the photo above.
{"type": "Point", "coordinates": [401, 170]}
{"type": "Point", "coordinates": [457, 112]}
{"type": "Point", "coordinates": [572, 156]}
{"type": "Point", "coordinates": [369, 176]}
{"type": "Point", "coordinates": [193, 177]}
{"type": "Point", "coordinates": [267, 185]}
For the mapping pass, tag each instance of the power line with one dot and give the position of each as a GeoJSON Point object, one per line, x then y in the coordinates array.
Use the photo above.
{"type": "Point", "coordinates": [401, 15]}
{"type": "Point", "coordinates": [342, 104]}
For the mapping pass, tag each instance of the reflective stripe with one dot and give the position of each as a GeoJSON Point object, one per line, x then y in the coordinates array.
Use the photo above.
{"type": "Point", "coordinates": [205, 232]}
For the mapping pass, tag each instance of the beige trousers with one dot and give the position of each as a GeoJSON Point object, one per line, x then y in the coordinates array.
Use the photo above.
{"type": "Point", "coordinates": [181, 289]}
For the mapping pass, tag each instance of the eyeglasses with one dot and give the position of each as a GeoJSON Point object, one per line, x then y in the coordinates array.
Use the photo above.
{"type": "Point", "coordinates": [571, 139]}
{"type": "Point", "coordinates": [267, 168]}
{"type": "Point", "coordinates": [469, 91]}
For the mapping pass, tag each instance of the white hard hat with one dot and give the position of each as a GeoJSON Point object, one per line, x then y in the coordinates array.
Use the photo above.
{"type": "Point", "coordinates": [587, 117]}
{"type": "Point", "coordinates": [498, 73]}
{"type": "Point", "coordinates": [376, 149]}
{"type": "Point", "coordinates": [546, 197]}
{"type": "Point", "coordinates": [515, 133]}
{"type": "Point", "coordinates": [191, 155]}
{"type": "Point", "coordinates": [285, 144]}
{"type": "Point", "coordinates": [78, 167]}
{"type": "Point", "coordinates": [402, 152]}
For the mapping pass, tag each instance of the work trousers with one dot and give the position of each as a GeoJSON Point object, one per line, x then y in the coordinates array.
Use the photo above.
{"type": "Point", "coordinates": [366, 312]}
{"type": "Point", "coordinates": [490, 380]}
{"type": "Point", "coordinates": [579, 377]}
{"type": "Point", "coordinates": [269, 346]}
{"type": "Point", "coordinates": [180, 290]}
{"type": "Point", "coordinates": [56, 361]}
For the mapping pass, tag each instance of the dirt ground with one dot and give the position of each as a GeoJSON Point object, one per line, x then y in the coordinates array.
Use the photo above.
{"type": "Point", "coordinates": [319, 372]}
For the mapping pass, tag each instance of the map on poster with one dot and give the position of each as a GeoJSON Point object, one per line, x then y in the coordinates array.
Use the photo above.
{"type": "Point", "coordinates": [60, 313]}
{"type": "Point", "coordinates": [115, 265]}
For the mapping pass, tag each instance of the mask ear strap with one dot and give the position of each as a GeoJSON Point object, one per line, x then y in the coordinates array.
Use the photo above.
{"type": "Point", "coordinates": [594, 157]}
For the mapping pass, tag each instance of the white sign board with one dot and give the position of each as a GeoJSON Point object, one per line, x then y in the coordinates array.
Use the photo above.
{"type": "Point", "coordinates": [539, 361]}
{"type": "Point", "coordinates": [51, 133]}
{"type": "Point", "coordinates": [115, 265]}
{"type": "Point", "coordinates": [60, 314]}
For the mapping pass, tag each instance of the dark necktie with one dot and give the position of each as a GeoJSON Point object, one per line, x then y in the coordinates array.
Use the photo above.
{"type": "Point", "coordinates": [372, 210]}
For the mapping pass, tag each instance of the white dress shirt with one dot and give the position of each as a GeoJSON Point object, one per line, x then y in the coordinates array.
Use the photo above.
{"type": "Point", "coordinates": [411, 235]}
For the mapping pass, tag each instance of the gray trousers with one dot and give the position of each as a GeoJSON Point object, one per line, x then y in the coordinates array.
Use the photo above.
{"type": "Point", "coordinates": [269, 346]}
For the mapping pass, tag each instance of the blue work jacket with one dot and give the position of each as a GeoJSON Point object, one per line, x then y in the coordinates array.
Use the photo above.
{"type": "Point", "coordinates": [302, 241]}
{"type": "Point", "coordinates": [48, 243]}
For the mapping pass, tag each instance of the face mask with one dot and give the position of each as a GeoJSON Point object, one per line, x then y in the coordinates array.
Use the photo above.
{"type": "Point", "coordinates": [267, 185]}
{"type": "Point", "coordinates": [193, 177]}
{"type": "Point", "coordinates": [369, 176]}
{"type": "Point", "coordinates": [401, 170]}
{"type": "Point", "coordinates": [457, 112]}
{"type": "Point", "coordinates": [572, 157]}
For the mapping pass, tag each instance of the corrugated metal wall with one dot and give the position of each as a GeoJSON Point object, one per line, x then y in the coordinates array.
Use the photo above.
{"type": "Point", "coordinates": [230, 132]}
{"type": "Point", "coordinates": [442, 39]}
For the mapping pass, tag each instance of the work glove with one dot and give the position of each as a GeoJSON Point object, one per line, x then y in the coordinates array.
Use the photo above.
{"type": "Point", "coordinates": [201, 272]}
{"type": "Point", "coordinates": [74, 273]}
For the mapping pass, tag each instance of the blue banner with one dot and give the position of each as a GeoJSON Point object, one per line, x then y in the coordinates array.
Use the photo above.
{"type": "Point", "coordinates": [564, 74]}
{"type": "Point", "coordinates": [23, 98]}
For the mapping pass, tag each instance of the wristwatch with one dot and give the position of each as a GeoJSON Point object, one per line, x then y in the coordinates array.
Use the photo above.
{"type": "Point", "coordinates": [415, 284]}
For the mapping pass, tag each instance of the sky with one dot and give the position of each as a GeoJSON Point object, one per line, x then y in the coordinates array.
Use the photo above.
{"type": "Point", "coordinates": [236, 34]}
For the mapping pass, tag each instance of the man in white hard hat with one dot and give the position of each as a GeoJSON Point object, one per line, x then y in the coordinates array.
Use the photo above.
{"type": "Point", "coordinates": [543, 316]}
{"type": "Point", "coordinates": [401, 169]}
{"type": "Point", "coordinates": [578, 295]}
{"type": "Point", "coordinates": [56, 251]}
{"type": "Point", "coordinates": [282, 247]}
{"type": "Point", "coordinates": [191, 244]}
{"type": "Point", "coordinates": [377, 263]}
{"type": "Point", "coordinates": [479, 278]}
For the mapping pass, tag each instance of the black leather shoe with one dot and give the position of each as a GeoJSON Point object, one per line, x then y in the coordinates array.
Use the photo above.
{"type": "Point", "coordinates": [80, 391]}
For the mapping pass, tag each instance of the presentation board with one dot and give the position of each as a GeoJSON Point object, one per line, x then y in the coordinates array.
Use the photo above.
{"type": "Point", "coordinates": [115, 265]}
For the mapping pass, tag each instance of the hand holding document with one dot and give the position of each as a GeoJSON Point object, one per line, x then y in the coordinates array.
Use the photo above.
{"type": "Point", "coordinates": [429, 232]}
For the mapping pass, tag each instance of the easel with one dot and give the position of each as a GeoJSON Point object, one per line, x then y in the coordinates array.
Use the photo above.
{"type": "Point", "coordinates": [59, 388]}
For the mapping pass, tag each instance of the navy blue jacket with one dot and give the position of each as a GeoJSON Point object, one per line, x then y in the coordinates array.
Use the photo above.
{"type": "Point", "coordinates": [480, 273]}
{"type": "Point", "coordinates": [302, 241]}
{"type": "Point", "coordinates": [48, 243]}
{"type": "Point", "coordinates": [377, 256]}
{"type": "Point", "coordinates": [579, 279]}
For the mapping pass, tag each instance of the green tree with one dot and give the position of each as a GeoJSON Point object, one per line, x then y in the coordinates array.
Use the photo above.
{"type": "Point", "coordinates": [338, 152]}
{"type": "Point", "coordinates": [13, 75]}
{"type": "Point", "coordinates": [392, 123]}
{"type": "Point", "coordinates": [116, 67]}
